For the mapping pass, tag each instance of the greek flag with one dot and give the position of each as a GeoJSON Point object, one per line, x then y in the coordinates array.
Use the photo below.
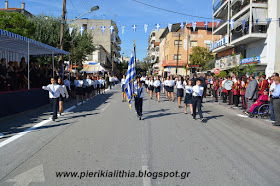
{"type": "Point", "coordinates": [129, 82]}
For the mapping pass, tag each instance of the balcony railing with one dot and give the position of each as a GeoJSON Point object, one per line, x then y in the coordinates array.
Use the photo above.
{"type": "Point", "coordinates": [239, 32]}
{"type": "Point", "coordinates": [220, 24]}
{"type": "Point", "coordinates": [218, 4]}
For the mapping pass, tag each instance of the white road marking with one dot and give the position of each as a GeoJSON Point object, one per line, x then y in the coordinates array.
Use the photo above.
{"type": "Point", "coordinates": [146, 180]}
{"type": "Point", "coordinates": [34, 175]}
{"type": "Point", "coordinates": [106, 107]}
{"type": "Point", "coordinates": [18, 135]}
{"type": "Point", "coordinates": [243, 116]}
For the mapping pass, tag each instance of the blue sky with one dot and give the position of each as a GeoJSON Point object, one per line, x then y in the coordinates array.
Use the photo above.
{"type": "Point", "coordinates": [126, 12]}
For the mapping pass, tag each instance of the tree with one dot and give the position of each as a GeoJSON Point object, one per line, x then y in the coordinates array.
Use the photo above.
{"type": "Point", "coordinates": [200, 56]}
{"type": "Point", "coordinates": [17, 23]}
{"type": "Point", "coordinates": [82, 46]}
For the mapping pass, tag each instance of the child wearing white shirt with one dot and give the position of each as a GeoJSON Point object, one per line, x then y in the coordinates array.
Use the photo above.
{"type": "Point", "coordinates": [197, 99]}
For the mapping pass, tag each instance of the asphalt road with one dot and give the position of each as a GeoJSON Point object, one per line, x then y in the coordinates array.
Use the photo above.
{"type": "Point", "coordinates": [104, 134]}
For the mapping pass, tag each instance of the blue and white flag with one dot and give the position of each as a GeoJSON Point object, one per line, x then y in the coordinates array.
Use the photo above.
{"type": "Point", "coordinates": [231, 22]}
{"type": "Point", "coordinates": [91, 28]}
{"type": "Point", "coordinates": [111, 29]}
{"type": "Point", "coordinates": [194, 25]}
{"type": "Point", "coordinates": [71, 30]}
{"type": "Point", "coordinates": [129, 82]}
{"type": "Point", "coordinates": [82, 30]}
{"type": "Point", "coordinates": [206, 23]}
{"type": "Point", "coordinates": [134, 28]}
{"type": "Point", "coordinates": [146, 27]}
{"type": "Point", "coordinates": [218, 22]}
{"type": "Point", "coordinates": [268, 20]}
{"type": "Point", "coordinates": [123, 27]}
{"type": "Point", "coordinates": [158, 27]}
{"type": "Point", "coordinates": [244, 23]}
{"type": "Point", "coordinates": [170, 26]}
{"type": "Point", "coordinates": [182, 25]}
{"type": "Point", "coordinates": [103, 29]}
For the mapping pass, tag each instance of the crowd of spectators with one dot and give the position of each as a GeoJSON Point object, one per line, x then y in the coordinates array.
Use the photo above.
{"type": "Point", "coordinates": [14, 75]}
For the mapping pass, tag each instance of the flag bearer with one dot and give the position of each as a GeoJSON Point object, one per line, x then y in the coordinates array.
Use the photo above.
{"type": "Point", "coordinates": [139, 93]}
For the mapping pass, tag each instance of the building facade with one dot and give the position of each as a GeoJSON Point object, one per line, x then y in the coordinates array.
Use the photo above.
{"type": "Point", "coordinates": [19, 10]}
{"type": "Point", "coordinates": [176, 46]}
{"type": "Point", "coordinates": [247, 35]}
{"type": "Point", "coordinates": [107, 45]}
{"type": "Point", "coordinates": [153, 49]}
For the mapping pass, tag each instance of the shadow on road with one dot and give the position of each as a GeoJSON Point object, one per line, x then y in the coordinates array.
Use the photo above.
{"type": "Point", "coordinates": [22, 122]}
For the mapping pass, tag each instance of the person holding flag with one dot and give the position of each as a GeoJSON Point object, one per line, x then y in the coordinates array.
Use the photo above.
{"type": "Point", "coordinates": [139, 94]}
{"type": "Point", "coordinates": [130, 76]}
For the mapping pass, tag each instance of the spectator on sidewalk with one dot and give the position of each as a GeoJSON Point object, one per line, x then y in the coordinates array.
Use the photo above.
{"type": "Point", "coordinates": [261, 100]}
{"type": "Point", "coordinates": [251, 93]}
{"type": "Point", "coordinates": [276, 101]}
{"type": "Point", "coordinates": [272, 87]}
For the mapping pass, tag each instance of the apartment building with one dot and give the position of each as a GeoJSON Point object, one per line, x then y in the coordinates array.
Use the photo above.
{"type": "Point", "coordinates": [153, 48]}
{"type": "Point", "coordinates": [107, 45]}
{"type": "Point", "coordinates": [247, 36]}
{"type": "Point", "coordinates": [176, 46]}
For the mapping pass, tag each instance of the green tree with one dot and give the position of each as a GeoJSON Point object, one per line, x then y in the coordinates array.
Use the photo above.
{"type": "Point", "coordinates": [200, 56]}
{"type": "Point", "coordinates": [17, 23]}
{"type": "Point", "coordinates": [82, 46]}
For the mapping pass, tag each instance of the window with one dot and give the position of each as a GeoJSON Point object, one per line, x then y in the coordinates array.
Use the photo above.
{"type": "Point", "coordinates": [176, 43]}
{"type": "Point", "coordinates": [208, 45]}
{"type": "Point", "coordinates": [167, 57]}
{"type": "Point", "coordinates": [175, 57]}
{"type": "Point", "coordinates": [193, 44]}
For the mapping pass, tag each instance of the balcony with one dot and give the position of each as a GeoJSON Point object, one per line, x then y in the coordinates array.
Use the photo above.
{"type": "Point", "coordinates": [220, 9]}
{"type": "Point", "coordinates": [240, 36]}
{"type": "Point", "coordinates": [221, 28]}
{"type": "Point", "coordinates": [220, 45]}
{"type": "Point", "coordinates": [118, 40]}
{"type": "Point", "coordinates": [240, 7]}
{"type": "Point", "coordinates": [152, 39]}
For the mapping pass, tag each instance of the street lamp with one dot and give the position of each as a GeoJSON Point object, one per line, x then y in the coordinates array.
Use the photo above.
{"type": "Point", "coordinates": [94, 8]}
{"type": "Point", "coordinates": [91, 10]}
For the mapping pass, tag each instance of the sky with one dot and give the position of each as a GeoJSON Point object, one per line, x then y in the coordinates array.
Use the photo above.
{"type": "Point", "coordinates": [124, 12]}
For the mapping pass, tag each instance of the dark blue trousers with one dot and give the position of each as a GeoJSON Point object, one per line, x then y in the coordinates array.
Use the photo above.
{"type": "Point", "coordinates": [54, 105]}
{"type": "Point", "coordinates": [196, 102]}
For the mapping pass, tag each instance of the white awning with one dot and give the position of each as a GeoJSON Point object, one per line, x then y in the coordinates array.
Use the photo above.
{"type": "Point", "coordinates": [261, 15]}
{"type": "Point", "coordinates": [94, 68]}
{"type": "Point", "coordinates": [19, 44]}
{"type": "Point", "coordinates": [238, 22]}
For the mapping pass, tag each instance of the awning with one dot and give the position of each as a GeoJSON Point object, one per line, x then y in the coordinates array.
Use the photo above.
{"type": "Point", "coordinates": [17, 43]}
{"type": "Point", "coordinates": [261, 15]}
{"type": "Point", "coordinates": [238, 22]}
{"type": "Point", "coordinates": [94, 68]}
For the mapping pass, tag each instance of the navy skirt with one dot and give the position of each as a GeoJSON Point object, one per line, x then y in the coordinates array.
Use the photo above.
{"type": "Point", "coordinates": [180, 92]}
{"type": "Point", "coordinates": [157, 89]}
{"type": "Point", "coordinates": [122, 88]}
{"type": "Point", "coordinates": [151, 88]}
{"type": "Point", "coordinates": [170, 89]}
{"type": "Point", "coordinates": [188, 99]}
{"type": "Point", "coordinates": [79, 91]}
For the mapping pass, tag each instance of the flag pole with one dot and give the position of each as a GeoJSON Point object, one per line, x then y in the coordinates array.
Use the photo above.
{"type": "Point", "coordinates": [134, 49]}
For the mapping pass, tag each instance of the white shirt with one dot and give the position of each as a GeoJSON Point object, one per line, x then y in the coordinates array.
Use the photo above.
{"type": "Point", "coordinates": [166, 82]}
{"type": "Point", "coordinates": [197, 90]}
{"type": "Point", "coordinates": [96, 82]}
{"type": "Point", "coordinates": [123, 81]}
{"type": "Point", "coordinates": [157, 83]}
{"type": "Point", "coordinates": [139, 91]}
{"type": "Point", "coordinates": [54, 90]}
{"type": "Point", "coordinates": [147, 82]}
{"type": "Point", "coordinates": [151, 83]}
{"type": "Point", "coordinates": [67, 83]}
{"type": "Point", "coordinates": [179, 85]}
{"type": "Point", "coordinates": [79, 83]}
{"type": "Point", "coordinates": [142, 79]}
{"type": "Point", "coordinates": [272, 87]}
{"type": "Point", "coordinates": [171, 83]}
{"type": "Point", "coordinates": [110, 79]}
{"type": "Point", "coordinates": [189, 89]}
{"type": "Point", "coordinates": [64, 91]}
{"type": "Point", "coordinates": [88, 82]}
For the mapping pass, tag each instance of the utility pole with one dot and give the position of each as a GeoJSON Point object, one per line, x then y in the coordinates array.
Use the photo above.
{"type": "Point", "coordinates": [72, 52]}
{"type": "Point", "coordinates": [62, 27]}
{"type": "Point", "coordinates": [178, 54]}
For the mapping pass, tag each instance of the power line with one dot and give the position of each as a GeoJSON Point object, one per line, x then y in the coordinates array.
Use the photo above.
{"type": "Point", "coordinates": [74, 7]}
{"type": "Point", "coordinates": [171, 11]}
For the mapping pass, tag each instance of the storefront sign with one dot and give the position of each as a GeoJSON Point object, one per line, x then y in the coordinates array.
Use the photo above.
{"type": "Point", "coordinates": [251, 60]}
